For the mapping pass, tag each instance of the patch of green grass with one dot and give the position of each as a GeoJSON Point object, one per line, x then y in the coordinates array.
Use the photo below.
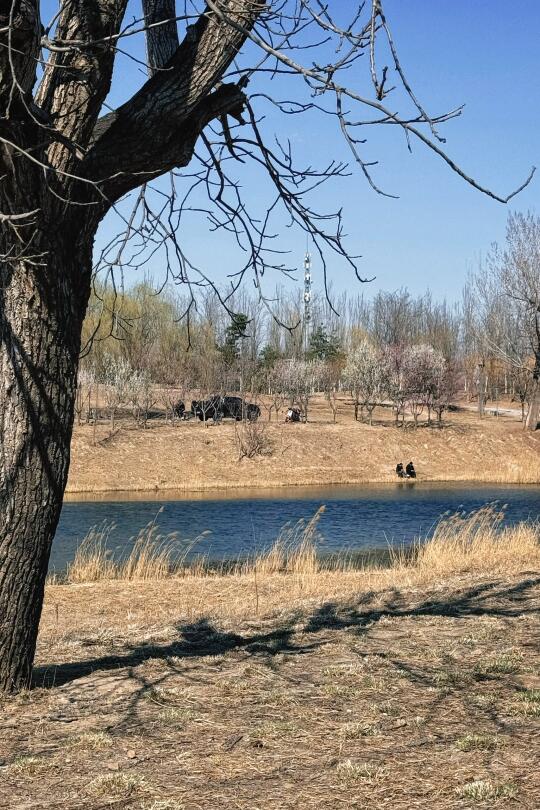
{"type": "Point", "coordinates": [388, 708]}
{"type": "Point", "coordinates": [504, 664]}
{"type": "Point", "coordinates": [233, 686]}
{"type": "Point", "coordinates": [341, 690]}
{"type": "Point", "coordinates": [340, 671]}
{"type": "Point", "coordinates": [450, 678]}
{"type": "Point", "coordinates": [529, 703]}
{"type": "Point", "coordinates": [164, 696]}
{"type": "Point", "coordinates": [31, 766]}
{"type": "Point", "coordinates": [484, 701]}
{"type": "Point", "coordinates": [93, 740]}
{"type": "Point", "coordinates": [405, 674]}
{"type": "Point", "coordinates": [174, 716]}
{"type": "Point", "coordinates": [351, 772]}
{"type": "Point", "coordinates": [278, 728]}
{"type": "Point", "coordinates": [477, 742]}
{"type": "Point", "coordinates": [482, 790]}
{"type": "Point", "coordinates": [352, 731]}
{"type": "Point", "coordinates": [116, 785]}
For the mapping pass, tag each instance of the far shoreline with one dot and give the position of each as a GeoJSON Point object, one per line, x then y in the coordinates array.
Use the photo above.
{"type": "Point", "coordinates": [188, 459]}
{"type": "Point", "coordinates": [227, 491]}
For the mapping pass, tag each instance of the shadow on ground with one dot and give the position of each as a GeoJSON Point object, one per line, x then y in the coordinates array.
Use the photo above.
{"type": "Point", "coordinates": [297, 634]}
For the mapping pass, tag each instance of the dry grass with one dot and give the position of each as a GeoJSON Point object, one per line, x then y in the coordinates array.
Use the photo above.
{"type": "Point", "coordinates": [287, 683]}
{"type": "Point", "coordinates": [351, 772]}
{"type": "Point", "coordinates": [478, 542]}
{"type": "Point", "coordinates": [477, 742]}
{"type": "Point", "coordinates": [152, 557]}
{"type": "Point", "coordinates": [190, 457]}
{"type": "Point", "coordinates": [484, 791]}
{"type": "Point", "coordinates": [115, 785]}
{"type": "Point", "coordinates": [177, 694]}
{"type": "Point", "coordinates": [92, 740]}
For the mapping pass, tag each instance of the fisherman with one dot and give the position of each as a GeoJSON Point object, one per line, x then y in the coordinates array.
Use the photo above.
{"type": "Point", "coordinates": [409, 469]}
{"type": "Point", "coordinates": [400, 472]}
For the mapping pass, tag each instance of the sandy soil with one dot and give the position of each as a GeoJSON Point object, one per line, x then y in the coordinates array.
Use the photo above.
{"type": "Point", "coordinates": [191, 456]}
{"type": "Point", "coordinates": [400, 698]}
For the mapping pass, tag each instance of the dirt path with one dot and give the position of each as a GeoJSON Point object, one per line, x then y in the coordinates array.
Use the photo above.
{"type": "Point", "coordinates": [397, 699]}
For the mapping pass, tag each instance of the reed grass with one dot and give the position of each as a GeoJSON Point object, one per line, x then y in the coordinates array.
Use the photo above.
{"type": "Point", "coordinates": [479, 541]}
{"type": "Point", "coordinates": [461, 542]}
{"type": "Point", "coordinates": [153, 556]}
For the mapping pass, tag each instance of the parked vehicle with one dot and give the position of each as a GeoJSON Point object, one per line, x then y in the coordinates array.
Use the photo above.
{"type": "Point", "coordinates": [218, 407]}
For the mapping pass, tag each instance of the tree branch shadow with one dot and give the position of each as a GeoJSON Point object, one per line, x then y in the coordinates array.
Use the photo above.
{"type": "Point", "coordinates": [294, 635]}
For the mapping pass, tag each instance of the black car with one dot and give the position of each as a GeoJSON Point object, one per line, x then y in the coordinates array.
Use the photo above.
{"type": "Point", "coordinates": [218, 407]}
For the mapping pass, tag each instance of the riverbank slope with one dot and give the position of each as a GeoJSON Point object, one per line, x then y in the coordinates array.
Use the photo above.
{"type": "Point", "coordinates": [190, 456]}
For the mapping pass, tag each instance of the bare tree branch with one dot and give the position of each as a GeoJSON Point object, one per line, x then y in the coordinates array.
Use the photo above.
{"type": "Point", "coordinates": [161, 32]}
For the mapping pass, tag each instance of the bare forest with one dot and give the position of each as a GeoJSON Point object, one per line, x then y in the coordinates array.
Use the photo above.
{"type": "Point", "coordinates": [415, 355]}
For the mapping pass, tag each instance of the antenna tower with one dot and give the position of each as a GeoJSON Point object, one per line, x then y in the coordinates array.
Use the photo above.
{"type": "Point", "coordinates": [307, 299]}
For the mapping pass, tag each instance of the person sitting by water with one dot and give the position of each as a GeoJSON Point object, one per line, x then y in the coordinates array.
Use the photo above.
{"type": "Point", "coordinates": [400, 472]}
{"type": "Point", "coordinates": [409, 469]}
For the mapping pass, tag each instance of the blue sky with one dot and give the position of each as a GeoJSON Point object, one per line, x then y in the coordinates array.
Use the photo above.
{"type": "Point", "coordinates": [483, 54]}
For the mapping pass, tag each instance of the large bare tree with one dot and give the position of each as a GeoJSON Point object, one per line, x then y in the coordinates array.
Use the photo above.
{"type": "Point", "coordinates": [507, 289]}
{"type": "Point", "coordinates": [69, 160]}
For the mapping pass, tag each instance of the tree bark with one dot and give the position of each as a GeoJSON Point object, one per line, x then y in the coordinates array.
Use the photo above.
{"type": "Point", "coordinates": [42, 304]}
{"type": "Point", "coordinates": [533, 416]}
{"type": "Point", "coordinates": [481, 390]}
{"type": "Point", "coordinates": [62, 169]}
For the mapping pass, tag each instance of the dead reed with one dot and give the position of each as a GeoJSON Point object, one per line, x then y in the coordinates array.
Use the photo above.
{"type": "Point", "coordinates": [460, 543]}
{"type": "Point", "coordinates": [153, 556]}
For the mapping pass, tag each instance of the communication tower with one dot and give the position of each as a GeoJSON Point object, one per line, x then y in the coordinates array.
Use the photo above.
{"type": "Point", "coordinates": [307, 300]}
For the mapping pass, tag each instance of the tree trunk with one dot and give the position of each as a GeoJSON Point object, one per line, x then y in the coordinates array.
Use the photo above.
{"type": "Point", "coordinates": [42, 304]}
{"type": "Point", "coordinates": [533, 416]}
{"type": "Point", "coordinates": [481, 390]}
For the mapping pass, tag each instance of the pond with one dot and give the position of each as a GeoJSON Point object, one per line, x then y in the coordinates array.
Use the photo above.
{"type": "Point", "coordinates": [236, 523]}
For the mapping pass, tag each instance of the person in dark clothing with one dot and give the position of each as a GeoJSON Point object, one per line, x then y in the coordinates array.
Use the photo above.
{"type": "Point", "coordinates": [409, 469]}
{"type": "Point", "coordinates": [293, 414]}
{"type": "Point", "coordinates": [400, 472]}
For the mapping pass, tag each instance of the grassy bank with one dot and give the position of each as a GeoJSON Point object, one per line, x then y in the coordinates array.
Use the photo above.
{"type": "Point", "coordinates": [190, 457]}
{"type": "Point", "coordinates": [287, 684]}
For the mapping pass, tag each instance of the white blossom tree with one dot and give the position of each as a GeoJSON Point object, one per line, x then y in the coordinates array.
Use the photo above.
{"type": "Point", "coordinates": [508, 294]}
{"type": "Point", "coordinates": [422, 368]}
{"type": "Point", "coordinates": [364, 377]}
{"type": "Point", "coordinates": [300, 380]}
{"type": "Point", "coordinates": [117, 378]}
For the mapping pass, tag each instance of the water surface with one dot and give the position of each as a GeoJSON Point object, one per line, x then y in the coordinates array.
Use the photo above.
{"type": "Point", "coordinates": [240, 522]}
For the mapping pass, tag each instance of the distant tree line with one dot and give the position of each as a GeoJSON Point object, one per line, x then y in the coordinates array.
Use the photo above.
{"type": "Point", "coordinates": [414, 354]}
